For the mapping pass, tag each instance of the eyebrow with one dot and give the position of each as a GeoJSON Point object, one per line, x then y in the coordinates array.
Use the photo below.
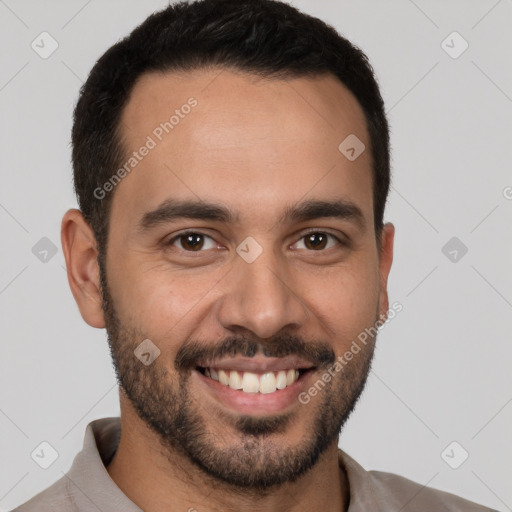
{"type": "Point", "coordinates": [172, 209]}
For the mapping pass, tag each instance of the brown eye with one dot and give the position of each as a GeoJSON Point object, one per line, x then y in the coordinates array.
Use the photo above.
{"type": "Point", "coordinates": [316, 241]}
{"type": "Point", "coordinates": [319, 240]}
{"type": "Point", "coordinates": [192, 241]}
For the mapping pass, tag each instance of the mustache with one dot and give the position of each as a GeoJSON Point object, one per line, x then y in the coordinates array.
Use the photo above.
{"type": "Point", "coordinates": [320, 355]}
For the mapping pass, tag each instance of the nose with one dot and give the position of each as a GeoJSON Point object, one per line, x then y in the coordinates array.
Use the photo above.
{"type": "Point", "coordinates": [261, 296]}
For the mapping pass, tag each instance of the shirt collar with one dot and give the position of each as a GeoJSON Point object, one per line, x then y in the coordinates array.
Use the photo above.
{"type": "Point", "coordinates": [89, 474]}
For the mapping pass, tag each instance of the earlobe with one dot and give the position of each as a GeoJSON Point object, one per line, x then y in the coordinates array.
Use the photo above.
{"type": "Point", "coordinates": [385, 261]}
{"type": "Point", "coordinates": [80, 251]}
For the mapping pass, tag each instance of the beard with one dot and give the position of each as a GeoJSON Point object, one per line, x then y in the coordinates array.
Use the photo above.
{"type": "Point", "coordinates": [251, 460]}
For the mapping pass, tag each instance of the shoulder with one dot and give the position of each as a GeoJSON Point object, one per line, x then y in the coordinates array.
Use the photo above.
{"type": "Point", "coordinates": [58, 497]}
{"type": "Point", "coordinates": [411, 496]}
{"type": "Point", "coordinates": [374, 491]}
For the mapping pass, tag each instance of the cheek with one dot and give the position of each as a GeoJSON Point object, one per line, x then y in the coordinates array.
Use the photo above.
{"type": "Point", "coordinates": [160, 303]}
{"type": "Point", "coordinates": [346, 302]}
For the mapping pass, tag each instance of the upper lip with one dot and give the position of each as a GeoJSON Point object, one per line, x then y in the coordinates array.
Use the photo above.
{"type": "Point", "coordinates": [258, 364]}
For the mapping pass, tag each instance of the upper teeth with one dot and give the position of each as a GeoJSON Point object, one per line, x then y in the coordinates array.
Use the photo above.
{"type": "Point", "coordinates": [254, 382]}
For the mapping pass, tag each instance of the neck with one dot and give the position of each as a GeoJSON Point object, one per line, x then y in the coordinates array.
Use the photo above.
{"type": "Point", "coordinates": [156, 480]}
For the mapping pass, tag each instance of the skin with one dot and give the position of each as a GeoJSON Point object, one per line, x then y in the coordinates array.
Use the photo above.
{"type": "Point", "coordinates": [255, 146]}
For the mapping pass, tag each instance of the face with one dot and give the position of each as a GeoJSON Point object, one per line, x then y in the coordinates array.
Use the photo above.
{"type": "Point", "coordinates": [242, 246]}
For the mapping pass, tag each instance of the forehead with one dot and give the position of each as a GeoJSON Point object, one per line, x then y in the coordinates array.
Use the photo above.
{"type": "Point", "coordinates": [231, 137]}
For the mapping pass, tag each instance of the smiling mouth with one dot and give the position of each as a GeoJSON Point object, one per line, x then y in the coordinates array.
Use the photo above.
{"type": "Point", "coordinates": [250, 382]}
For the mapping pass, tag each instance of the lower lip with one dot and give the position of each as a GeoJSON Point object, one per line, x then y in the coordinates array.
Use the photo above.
{"type": "Point", "coordinates": [255, 403]}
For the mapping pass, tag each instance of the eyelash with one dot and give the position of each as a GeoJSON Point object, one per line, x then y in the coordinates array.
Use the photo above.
{"type": "Point", "coordinates": [191, 232]}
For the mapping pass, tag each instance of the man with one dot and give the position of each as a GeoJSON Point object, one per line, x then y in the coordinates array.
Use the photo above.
{"type": "Point", "coordinates": [231, 162]}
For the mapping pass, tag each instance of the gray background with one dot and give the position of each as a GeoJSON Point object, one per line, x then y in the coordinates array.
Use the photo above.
{"type": "Point", "coordinates": [442, 367]}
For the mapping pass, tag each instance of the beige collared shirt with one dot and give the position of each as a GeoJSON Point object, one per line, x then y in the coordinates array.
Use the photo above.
{"type": "Point", "coordinates": [87, 486]}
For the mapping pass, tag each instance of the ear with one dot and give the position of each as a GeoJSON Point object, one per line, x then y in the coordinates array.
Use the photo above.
{"type": "Point", "coordinates": [385, 260]}
{"type": "Point", "coordinates": [80, 251]}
